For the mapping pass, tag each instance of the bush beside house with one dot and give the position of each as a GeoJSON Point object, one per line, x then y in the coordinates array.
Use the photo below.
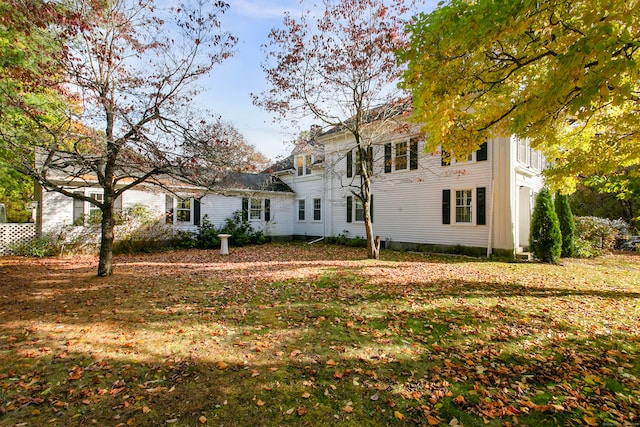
{"type": "Point", "coordinates": [545, 240]}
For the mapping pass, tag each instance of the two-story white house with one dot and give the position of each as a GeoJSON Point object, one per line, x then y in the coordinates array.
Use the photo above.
{"type": "Point", "coordinates": [420, 200]}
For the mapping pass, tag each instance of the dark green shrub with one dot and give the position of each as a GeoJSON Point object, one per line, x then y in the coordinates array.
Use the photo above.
{"type": "Point", "coordinates": [567, 227]}
{"type": "Point", "coordinates": [241, 231]}
{"type": "Point", "coordinates": [207, 237]}
{"type": "Point", "coordinates": [39, 247]}
{"type": "Point", "coordinates": [545, 240]}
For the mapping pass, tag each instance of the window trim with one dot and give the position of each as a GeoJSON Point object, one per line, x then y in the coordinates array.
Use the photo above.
{"type": "Point", "coordinates": [317, 209]}
{"type": "Point", "coordinates": [302, 206]}
{"type": "Point", "coordinates": [468, 196]}
{"type": "Point", "coordinates": [403, 157]}
{"type": "Point", "coordinates": [303, 164]}
{"type": "Point", "coordinates": [253, 209]}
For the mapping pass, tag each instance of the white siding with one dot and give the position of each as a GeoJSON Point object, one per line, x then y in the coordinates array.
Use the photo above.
{"type": "Point", "coordinates": [219, 207]}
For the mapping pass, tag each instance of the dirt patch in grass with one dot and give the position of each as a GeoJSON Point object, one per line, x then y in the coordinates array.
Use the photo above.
{"type": "Point", "coordinates": [291, 334]}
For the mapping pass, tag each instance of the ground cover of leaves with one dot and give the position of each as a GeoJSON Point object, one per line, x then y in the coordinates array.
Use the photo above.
{"type": "Point", "coordinates": [292, 334]}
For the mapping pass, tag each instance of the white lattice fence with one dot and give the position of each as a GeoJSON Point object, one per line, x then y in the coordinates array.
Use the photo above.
{"type": "Point", "coordinates": [15, 234]}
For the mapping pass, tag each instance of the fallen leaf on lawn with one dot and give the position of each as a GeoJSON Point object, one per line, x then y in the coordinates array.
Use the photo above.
{"type": "Point", "coordinates": [202, 419]}
{"type": "Point", "coordinates": [591, 421]}
{"type": "Point", "coordinates": [338, 375]}
{"type": "Point", "coordinates": [76, 373]}
{"type": "Point", "coordinates": [398, 415]}
{"type": "Point", "coordinates": [459, 400]}
{"type": "Point", "coordinates": [306, 395]}
{"type": "Point", "coordinates": [289, 411]}
{"type": "Point", "coordinates": [331, 363]}
{"type": "Point", "coordinates": [348, 409]}
{"type": "Point", "coordinates": [221, 365]}
{"type": "Point", "coordinates": [374, 397]}
{"type": "Point", "coordinates": [259, 402]}
{"type": "Point", "coordinates": [131, 422]}
{"type": "Point", "coordinates": [146, 409]}
{"type": "Point", "coordinates": [433, 421]}
{"type": "Point", "coordinates": [302, 410]}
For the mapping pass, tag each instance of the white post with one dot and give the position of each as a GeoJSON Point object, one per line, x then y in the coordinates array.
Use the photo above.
{"type": "Point", "coordinates": [224, 243]}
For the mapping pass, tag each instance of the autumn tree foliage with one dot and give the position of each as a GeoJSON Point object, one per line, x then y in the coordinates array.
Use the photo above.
{"type": "Point", "coordinates": [126, 71]}
{"type": "Point", "coordinates": [28, 75]}
{"type": "Point", "coordinates": [565, 221]}
{"type": "Point", "coordinates": [562, 74]}
{"type": "Point", "coordinates": [220, 146]}
{"type": "Point", "coordinates": [338, 67]}
{"type": "Point", "coordinates": [545, 240]}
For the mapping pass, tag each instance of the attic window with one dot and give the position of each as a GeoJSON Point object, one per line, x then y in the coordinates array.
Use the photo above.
{"type": "Point", "coordinates": [303, 164]}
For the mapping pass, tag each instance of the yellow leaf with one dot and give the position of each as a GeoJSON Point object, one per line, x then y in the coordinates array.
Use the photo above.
{"type": "Point", "coordinates": [591, 421]}
{"type": "Point", "coordinates": [222, 365]}
{"type": "Point", "coordinates": [331, 362]}
{"type": "Point", "coordinates": [289, 411]}
{"type": "Point", "coordinates": [306, 395]}
{"type": "Point", "coordinates": [348, 409]}
{"type": "Point", "coordinates": [146, 409]}
{"type": "Point", "coordinates": [259, 402]}
{"type": "Point", "coordinates": [202, 419]}
{"type": "Point", "coordinates": [398, 415]}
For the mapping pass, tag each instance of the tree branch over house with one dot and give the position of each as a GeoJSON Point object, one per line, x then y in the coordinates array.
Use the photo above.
{"type": "Point", "coordinates": [125, 80]}
{"type": "Point", "coordinates": [339, 67]}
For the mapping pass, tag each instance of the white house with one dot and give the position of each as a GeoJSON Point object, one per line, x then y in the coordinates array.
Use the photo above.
{"type": "Point", "coordinates": [483, 202]}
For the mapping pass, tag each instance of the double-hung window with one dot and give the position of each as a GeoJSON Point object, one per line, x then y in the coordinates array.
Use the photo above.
{"type": "Point", "coordinates": [355, 209]}
{"type": "Point", "coordinates": [401, 155]}
{"type": "Point", "coordinates": [301, 206]}
{"type": "Point", "coordinates": [304, 163]}
{"type": "Point", "coordinates": [317, 209]}
{"type": "Point", "coordinates": [183, 211]}
{"type": "Point", "coordinates": [255, 210]}
{"type": "Point", "coordinates": [463, 206]}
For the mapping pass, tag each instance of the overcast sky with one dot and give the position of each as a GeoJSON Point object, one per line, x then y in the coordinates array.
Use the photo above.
{"type": "Point", "coordinates": [227, 90]}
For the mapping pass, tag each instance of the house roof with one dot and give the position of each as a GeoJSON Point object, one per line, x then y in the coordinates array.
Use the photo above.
{"type": "Point", "coordinates": [253, 182]}
{"type": "Point", "coordinates": [381, 112]}
{"type": "Point", "coordinates": [281, 165]}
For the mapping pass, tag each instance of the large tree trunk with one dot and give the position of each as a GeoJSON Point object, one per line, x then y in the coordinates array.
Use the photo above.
{"type": "Point", "coordinates": [105, 267]}
{"type": "Point", "coordinates": [373, 242]}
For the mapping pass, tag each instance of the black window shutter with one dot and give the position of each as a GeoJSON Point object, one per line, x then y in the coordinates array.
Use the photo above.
{"type": "Point", "coordinates": [349, 208]}
{"type": "Point", "coordinates": [387, 158]}
{"type": "Point", "coordinates": [481, 205]}
{"type": "Point", "coordinates": [245, 209]}
{"type": "Point", "coordinates": [370, 160]}
{"type": "Point", "coordinates": [413, 153]}
{"type": "Point", "coordinates": [446, 206]}
{"type": "Point", "coordinates": [482, 152]}
{"type": "Point", "coordinates": [196, 212]}
{"type": "Point", "coordinates": [349, 164]}
{"type": "Point", "coordinates": [445, 161]}
{"type": "Point", "coordinates": [267, 210]}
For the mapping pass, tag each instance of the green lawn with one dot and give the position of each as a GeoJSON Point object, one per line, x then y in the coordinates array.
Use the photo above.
{"type": "Point", "coordinates": [290, 334]}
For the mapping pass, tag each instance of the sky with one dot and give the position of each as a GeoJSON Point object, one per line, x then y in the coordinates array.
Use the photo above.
{"type": "Point", "coordinates": [227, 91]}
